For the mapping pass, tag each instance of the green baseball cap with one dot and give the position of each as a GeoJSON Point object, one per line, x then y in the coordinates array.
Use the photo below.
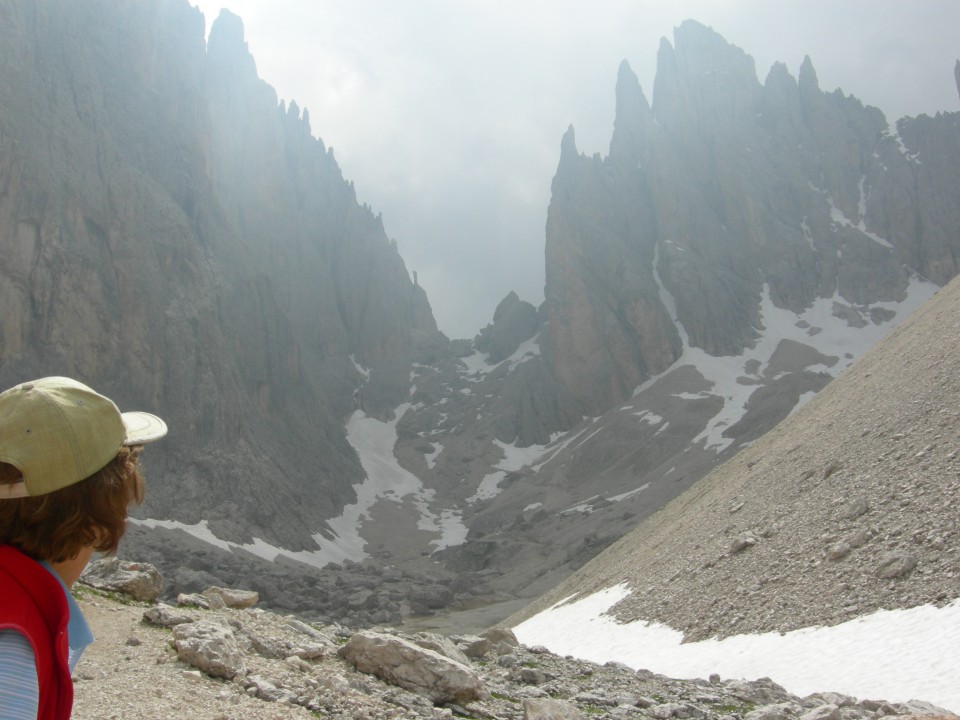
{"type": "Point", "coordinates": [57, 432]}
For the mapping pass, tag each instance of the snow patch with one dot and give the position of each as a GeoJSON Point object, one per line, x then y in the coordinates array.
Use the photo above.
{"type": "Point", "coordinates": [514, 458]}
{"type": "Point", "coordinates": [431, 457]}
{"type": "Point", "coordinates": [835, 338]}
{"type": "Point", "coordinates": [894, 134]}
{"type": "Point", "coordinates": [585, 507]}
{"type": "Point", "coordinates": [631, 493]}
{"type": "Point", "coordinates": [832, 336]}
{"type": "Point", "coordinates": [894, 654]}
{"type": "Point", "coordinates": [374, 441]}
{"type": "Point", "coordinates": [365, 372]}
{"type": "Point", "coordinates": [201, 531]}
{"type": "Point", "coordinates": [479, 363]}
{"type": "Point", "coordinates": [488, 488]}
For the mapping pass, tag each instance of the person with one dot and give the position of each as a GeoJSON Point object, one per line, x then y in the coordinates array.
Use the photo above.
{"type": "Point", "coordinates": [68, 473]}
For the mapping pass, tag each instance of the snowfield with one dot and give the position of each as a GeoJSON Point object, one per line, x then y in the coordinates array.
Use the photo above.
{"type": "Point", "coordinates": [896, 655]}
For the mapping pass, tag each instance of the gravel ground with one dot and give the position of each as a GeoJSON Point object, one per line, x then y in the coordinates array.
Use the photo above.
{"type": "Point", "coordinates": [132, 673]}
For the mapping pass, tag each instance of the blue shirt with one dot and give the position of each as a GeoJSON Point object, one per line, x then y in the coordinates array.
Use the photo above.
{"type": "Point", "coordinates": [19, 691]}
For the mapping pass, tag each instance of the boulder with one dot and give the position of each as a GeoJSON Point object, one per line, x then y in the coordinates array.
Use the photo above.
{"type": "Point", "coordinates": [209, 647]}
{"type": "Point", "coordinates": [549, 709]}
{"type": "Point", "coordinates": [166, 616]}
{"type": "Point", "coordinates": [420, 670]}
{"type": "Point", "coordinates": [140, 581]}
{"type": "Point", "coordinates": [896, 565]}
{"type": "Point", "coordinates": [238, 599]}
{"type": "Point", "coordinates": [443, 645]}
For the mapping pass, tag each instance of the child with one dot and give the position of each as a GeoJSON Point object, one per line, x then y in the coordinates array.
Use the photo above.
{"type": "Point", "coordinates": [68, 472]}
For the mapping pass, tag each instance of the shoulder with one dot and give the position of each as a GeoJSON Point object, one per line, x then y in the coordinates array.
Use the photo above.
{"type": "Point", "coordinates": [25, 585]}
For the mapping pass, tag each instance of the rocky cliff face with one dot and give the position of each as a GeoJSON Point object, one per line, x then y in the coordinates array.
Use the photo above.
{"type": "Point", "coordinates": [178, 239]}
{"type": "Point", "coordinates": [724, 191]}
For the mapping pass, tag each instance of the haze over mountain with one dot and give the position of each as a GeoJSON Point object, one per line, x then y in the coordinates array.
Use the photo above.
{"type": "Point", "coordinates": [414, 102]}
{"type": "Point", "coordinates": [180, 240]}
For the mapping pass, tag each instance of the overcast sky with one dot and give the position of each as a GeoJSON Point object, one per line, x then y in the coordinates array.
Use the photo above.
{"type": "Point", "coordinates": [448, 114]}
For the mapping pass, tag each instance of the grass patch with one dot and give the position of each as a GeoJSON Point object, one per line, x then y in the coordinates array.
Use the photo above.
{"type": "Point", "coordinates": [81, 592]}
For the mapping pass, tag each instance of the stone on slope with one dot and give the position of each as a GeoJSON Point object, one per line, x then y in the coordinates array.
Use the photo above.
{"type": "Point", "coordinates": [233, 598]}
{"type": "Point", "coordinates": [413, 668]}
{"type": "Point", "coordinates": [210, 647]}
{"type": "Point", "coordinates": [166, 616]}
{"type": "Point", "coordinates": [549, 709]}
{"type": "Point", "coordinates": [141, 581]}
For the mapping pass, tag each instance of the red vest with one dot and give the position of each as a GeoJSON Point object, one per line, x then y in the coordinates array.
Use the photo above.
{"type": "Point", "coordinates": [32, 602]}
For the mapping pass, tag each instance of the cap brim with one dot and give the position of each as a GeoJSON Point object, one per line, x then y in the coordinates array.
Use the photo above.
{"type": "Point", "coordinates": [143, 428]}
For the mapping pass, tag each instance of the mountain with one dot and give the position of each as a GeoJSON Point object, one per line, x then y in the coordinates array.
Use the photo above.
{"type": "Point", "coordinates": [739, 246]}
{"type": "Point", "coordinates": [727, 194]}
{"type": "Point", "coordinates": [178, 238]}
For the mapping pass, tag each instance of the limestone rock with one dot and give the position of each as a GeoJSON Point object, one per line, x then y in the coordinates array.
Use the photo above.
{"type": "Point", "coordinates": [513, 322]}
{"type": "Point", "coordinates": [210, 647]}
{"type": "Point", "coordinates": [141, 581]}
{"type": "Point", "coordinates": [166, 616]}
{"type": "Point", "coordinates": [823, 712]}
{"type": "Point", "coordinates": [838, 551]}
{"type": "Point", "coordinates": [410, 666]}
{"type": "Point", "coordinates": [498, 635]}
{"type": "Point", "coordinates": [897, 565]}
{"type": "Point", "coordinates": [231, 597]}
{"type": "Point", "coordinates": [443, 645]}
{"type": "Point", "coordinates": [475, 647]}
{"type": "Point", "coordinates": [550, 709]}
{"type": "Point", "coordinates": [200, 601]}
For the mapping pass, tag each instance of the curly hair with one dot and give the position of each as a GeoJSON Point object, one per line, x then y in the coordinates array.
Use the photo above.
{"type": "Point", "coordinates": [57, 526]}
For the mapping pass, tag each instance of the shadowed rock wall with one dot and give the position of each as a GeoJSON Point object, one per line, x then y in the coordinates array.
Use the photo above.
{"type": "Point", "coordinates": [177, 238]}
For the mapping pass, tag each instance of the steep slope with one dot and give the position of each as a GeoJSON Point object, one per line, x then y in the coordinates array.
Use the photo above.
{"type": "Point", "coordinates": [177, 238]}
{"type": "Point", "coordinates": [848, 506]}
